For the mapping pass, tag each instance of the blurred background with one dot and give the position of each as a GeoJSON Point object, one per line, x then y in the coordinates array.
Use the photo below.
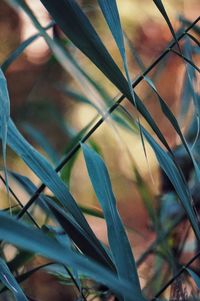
{"type": "Point", "coordinates": [49, 116]}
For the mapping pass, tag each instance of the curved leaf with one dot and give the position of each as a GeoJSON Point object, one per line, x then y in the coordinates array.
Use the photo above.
{"type": "Point", "coordinates": [41, 167]}
{"type": "Point", "coordinates": [19, 234]}
{"type": "Point", "coordinates": [118, 241]}
{"type": "Point", "coordinates": [4, 118]}
{"type": "Point", "coordinates": [10, 282]}
{"type": "Point", "coordinates": [176, 178]}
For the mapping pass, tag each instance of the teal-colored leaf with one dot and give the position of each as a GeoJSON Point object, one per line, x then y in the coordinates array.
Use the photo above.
{"type": "Point", "coordinates": [74, 23]}
{"type": "Point", "coordinates": [4, 118]}
{"type": "Point", "coordinates": [111, 14]}
{"type": "Point", "coordinates": [10, 282]}
{"type": "Point", "coordinates": [170, 116]}
{"type": "Point", "coordinates": [76, 233]}
{"type": "Point", "coordinates": [162, 10]}
{"type": "Point", "coordinates": [77, 27]}
{"type": "Point", "coordinates": [118, 241]}
{"type": "Point", "coordinates": [194, 276]}
{"type": "Point", "coordinates": [40, 166]}
{"type": "Point", "coordinates": [176, 178]}
{"type": "Point", "coordinates": [19, 234]}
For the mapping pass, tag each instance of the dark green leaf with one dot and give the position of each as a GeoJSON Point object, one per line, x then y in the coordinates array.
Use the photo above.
{"type": "Point", "coordinates": [4, 118]}
{"type": "Point", "coordinates": [19, 234]}
{"type": "Point", "coordinates": [170, 116]}
{"type": "Point", "coordinates": [76, 233]}
{"type": "Point", "coordinates": [118, 241]}
{"type": "Point", "coordinates": [161, 8]}
{"type": "Point", "coordinates": [49, 177]}
{"type": "Point", "coordinates": [176, 178]}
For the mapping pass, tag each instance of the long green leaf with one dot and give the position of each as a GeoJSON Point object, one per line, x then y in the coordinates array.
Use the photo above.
{"type": "Point", "coordinates": [161, 8]}
{"type": "Point", "coordinates": [77, 27]}
{"type": "Point", "coordinates": [118, 241]}
{"type": "Point", "coordinates": [4, 118]}
{"type": "Point", "coordinates": [40, 166]}
{"type": "Point", "coordinates": [19, 234]}
{"type": "Point", "coordinates": [76, 233]}
{"type": "Point", "coordinates": [111, 14]}
{"type": "Point", "coordinates": [176, 178]}
{"type": "Point", "coordinates": [170, 116]}
{"type": "Point", "coordinates": [10, 282]}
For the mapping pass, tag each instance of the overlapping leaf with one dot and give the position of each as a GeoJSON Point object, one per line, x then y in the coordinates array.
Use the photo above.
{"type": "Point", "coordinates": [4, 118]}
{"type": "Point", "coordinates": [10, 282]}
{"type": "Point", "coordinates": [19, 234]}
{"type": "Point", "coordinates": [118, 241]}
{"type": "Point", "coordinates": [49, 177]}
{"type": "Point", "coordinates": [176, 178]}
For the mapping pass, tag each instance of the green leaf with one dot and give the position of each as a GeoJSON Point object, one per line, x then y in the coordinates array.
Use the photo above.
{"type": "Point", "coordinates": [161, 8]}
{"type": "Point", "coordinates": [118, 241]}
{"type": "Point", "coordinates": [76, 233]}
{"type": "Point", "coordinates": [176, 178]}
{"type": "Point", "coordinates": [40, 166]}
{"type": "Point", "coordinates": [194, 276]}
{"type": "Point", "coordinates": [111, 14]}
{"type": "Point", "coordinates": [10, 282]}
{"type": "Point", "coordinates": [19, 234]}
{"type": "Point", "coordinates": [77, 27]}
{"type": "Point", "coordinates": [4, 118]}
{"type": "Point", "coordinates": [74, 23]}
{"type": "Point", "coordinates": [170, 116]}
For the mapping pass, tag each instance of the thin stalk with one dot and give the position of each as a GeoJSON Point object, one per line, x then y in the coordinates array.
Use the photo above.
{"type": "Point", "coordinates": [73, 151]}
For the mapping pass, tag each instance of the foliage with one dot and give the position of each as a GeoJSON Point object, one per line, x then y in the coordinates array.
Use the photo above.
{"type": "Point", "coordinates": [76, 254]}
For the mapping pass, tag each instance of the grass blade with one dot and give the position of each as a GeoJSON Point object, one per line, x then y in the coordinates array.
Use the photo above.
{"type": "Point", "coordinates": [19, 234]}
{"type": "Point", "coordinates": [4, 118]}
{"type": "Point", "coordinates": [162, 10]}
{"type": "Point", "coordinates": [10, 282]}
{"type": "Point", "coordinates": [40, 166]}
{"type": "Point", "coordinates": [119, 244]}
{"type": "Point", "coordinates": [170, 116]}
{"type": "Point", "coordinates": [74, 23]}
{"type": "Point", "coordinates": [176, 178]}
{"type": "Point", "coordinates": [76, 233]}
